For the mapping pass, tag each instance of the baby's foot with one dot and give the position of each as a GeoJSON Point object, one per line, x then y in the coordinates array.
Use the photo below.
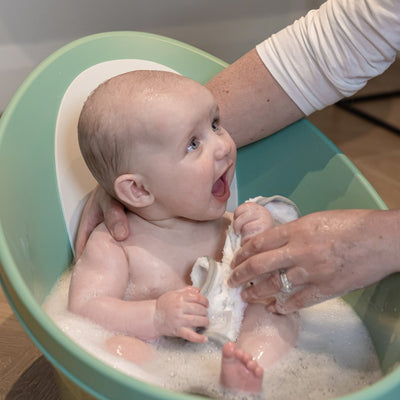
{"type": "Point", "coordinates": [239, 371]}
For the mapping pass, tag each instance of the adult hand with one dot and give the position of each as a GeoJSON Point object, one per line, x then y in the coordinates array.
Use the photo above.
{"type": "Point", "coordinates": [101, 207]}
{"type": "Point", "coordinates": [325, 254]}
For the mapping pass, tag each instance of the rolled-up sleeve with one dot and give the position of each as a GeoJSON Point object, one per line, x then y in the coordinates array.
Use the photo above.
{"type": "Point", "coordinates": [332, 52]}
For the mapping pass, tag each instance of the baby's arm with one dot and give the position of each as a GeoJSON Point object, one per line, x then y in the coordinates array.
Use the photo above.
{"type": "Point", "coordinates": [99, 281]}
{"type": "Point", "coordinates": [251, 218]}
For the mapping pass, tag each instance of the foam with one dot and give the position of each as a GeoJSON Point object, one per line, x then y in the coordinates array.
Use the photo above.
{"type": "Point", "coordinates": [333, 356]}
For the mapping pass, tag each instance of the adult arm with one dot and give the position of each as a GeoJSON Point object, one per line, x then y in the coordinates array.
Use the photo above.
{"type": "Point", "coordinates": [329, 54]}
{"type": "Point", "coordinates": [252, 103]}
{"type": "Point", "coordinates": [332, 52]}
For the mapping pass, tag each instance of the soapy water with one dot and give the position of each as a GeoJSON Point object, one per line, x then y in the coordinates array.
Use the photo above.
{"type": "Point", "coordinates": [333, 355]}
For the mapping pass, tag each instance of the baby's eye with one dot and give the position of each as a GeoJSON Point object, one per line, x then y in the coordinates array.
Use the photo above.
{"type": "Point", "coordinates": [193, 144]}
{"type": "Point", "coordinates": [215, 125]}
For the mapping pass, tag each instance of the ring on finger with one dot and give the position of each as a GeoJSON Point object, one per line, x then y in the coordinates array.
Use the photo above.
{"type": "Point", "coordinates": [287, 286]}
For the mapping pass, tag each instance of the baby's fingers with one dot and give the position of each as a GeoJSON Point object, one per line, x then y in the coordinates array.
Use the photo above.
{"type": "Point", "coordinates": [192, 336]}
{"type": "Point", "coordinates": [242, 216]}
{"type": "Point", "coordinates": [195, 309]}
{"type": "Point", "coordinates": [250, 229]}
{"type": "Point", "coordinates": [194, 296]}
{"type": "Point", "coordinates": [187, 331]}
{"type": "Point", "coordinates": [245, 208]}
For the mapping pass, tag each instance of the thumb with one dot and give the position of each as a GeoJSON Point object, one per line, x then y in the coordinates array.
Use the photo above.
{"type": "Point", "coordinates": [115, 219]}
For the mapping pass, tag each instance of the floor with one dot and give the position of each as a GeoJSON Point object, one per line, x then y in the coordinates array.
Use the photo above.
{"type": "Point", "coordinates": [25, 374]}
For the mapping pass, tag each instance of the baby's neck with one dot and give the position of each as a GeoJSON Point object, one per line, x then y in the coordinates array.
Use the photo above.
{"type": "Point", "coordinates": [205, 237]}
{"type": "Point", "coordinates": [178, 225]}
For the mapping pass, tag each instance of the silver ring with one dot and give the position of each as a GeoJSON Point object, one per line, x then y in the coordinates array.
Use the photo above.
{"type": "Point", "coordinates": [286, 284]}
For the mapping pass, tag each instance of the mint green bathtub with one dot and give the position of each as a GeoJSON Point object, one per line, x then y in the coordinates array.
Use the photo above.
{"type": "Point", "coordinates": [299, 162]}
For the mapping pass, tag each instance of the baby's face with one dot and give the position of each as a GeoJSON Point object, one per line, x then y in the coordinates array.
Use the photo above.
{"type": "Point", "coordinates": [190, 158]}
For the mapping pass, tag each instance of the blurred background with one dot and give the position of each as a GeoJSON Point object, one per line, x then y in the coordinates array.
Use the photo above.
{"type": "Point", "coordinates": [30, 30]}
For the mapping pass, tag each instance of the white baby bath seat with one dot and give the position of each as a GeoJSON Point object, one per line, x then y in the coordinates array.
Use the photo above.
{"type": "Point", "coordinates": [226, 307]}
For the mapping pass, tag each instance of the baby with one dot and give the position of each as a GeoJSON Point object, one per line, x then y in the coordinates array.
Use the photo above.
{"type": "Point", "coordinates": [153, 141]}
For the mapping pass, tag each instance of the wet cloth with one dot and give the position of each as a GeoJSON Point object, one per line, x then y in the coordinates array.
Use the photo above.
{"type": "Point", "coordinates": [226, 307]}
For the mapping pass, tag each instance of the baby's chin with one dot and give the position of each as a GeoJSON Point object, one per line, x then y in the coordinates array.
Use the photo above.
{"type": "Point", "coordinates": [216, 215]}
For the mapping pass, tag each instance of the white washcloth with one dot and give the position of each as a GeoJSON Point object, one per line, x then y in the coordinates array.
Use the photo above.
{"type": "Point", "coordinates": [226, 307]}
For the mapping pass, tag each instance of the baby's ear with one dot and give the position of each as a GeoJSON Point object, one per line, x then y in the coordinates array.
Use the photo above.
{"type": "Point", "coordinates": [131, 190]}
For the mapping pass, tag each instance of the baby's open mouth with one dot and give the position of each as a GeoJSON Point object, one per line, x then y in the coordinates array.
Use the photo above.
{"type": "Point", "coordinates": [220, 188]}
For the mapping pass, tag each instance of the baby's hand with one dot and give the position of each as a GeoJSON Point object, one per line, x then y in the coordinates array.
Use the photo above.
{"type": "Point", "coordinates": [251, 218]}
{"type": "Point", "coordinates": [179, 312]}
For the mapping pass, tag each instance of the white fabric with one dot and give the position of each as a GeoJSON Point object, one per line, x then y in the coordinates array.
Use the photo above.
{"type": "Point", "coordinates": [332, 52]}
{"type": "Point", "coordinates": [226, 307]}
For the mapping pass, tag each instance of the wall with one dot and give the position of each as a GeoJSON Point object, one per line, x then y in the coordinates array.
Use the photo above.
{"type": "Point", "coordinates": [30, 30]}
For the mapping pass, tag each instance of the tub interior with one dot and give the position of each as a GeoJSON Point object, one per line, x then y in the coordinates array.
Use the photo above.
{"type": "Point", "coordinates": [41, 195]}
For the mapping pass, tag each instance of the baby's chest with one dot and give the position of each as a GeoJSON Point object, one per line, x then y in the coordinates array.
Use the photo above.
{"type": "Point", "coordinates": [151, 275]}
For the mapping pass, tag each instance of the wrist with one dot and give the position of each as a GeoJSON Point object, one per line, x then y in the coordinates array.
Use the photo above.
{"type": "Point", "coordinates": [143, 326]}
{"type": "Point", "coordinates": [158, 318]}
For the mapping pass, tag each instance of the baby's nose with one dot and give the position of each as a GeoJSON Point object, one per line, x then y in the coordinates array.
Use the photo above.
{"type": "Point", "coordinates": [223, 147]}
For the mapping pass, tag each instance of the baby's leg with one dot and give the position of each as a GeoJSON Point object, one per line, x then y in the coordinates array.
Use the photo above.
{"type": "Point", "coordinates": [130, 348]}
{"type": "Point", "coordinates": [239, 371]}
{"type": "Point", "coordinates": [268, 337]}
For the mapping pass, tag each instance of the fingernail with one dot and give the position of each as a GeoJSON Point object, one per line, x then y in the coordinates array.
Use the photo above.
{"type": "Point", "coordinates": [245, 296]}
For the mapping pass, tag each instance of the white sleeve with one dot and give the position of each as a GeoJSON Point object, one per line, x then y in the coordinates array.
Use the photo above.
{"type": "Point", "coordinates": [332, 52]}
